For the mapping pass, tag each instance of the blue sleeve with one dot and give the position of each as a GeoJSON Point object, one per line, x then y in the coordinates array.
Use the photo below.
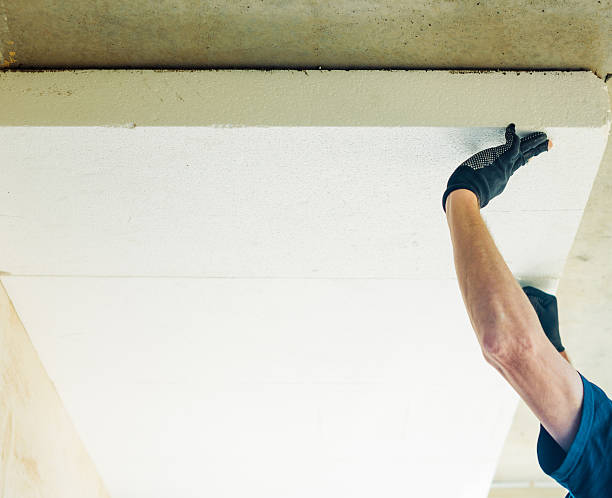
{"type": "Point", "coordinates": [586, 469]}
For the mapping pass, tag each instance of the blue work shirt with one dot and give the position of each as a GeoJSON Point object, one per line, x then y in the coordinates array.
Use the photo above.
{"type": "Point", "coordinates": [586, 469]}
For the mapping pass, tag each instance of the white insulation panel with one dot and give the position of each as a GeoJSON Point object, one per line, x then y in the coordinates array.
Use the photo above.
{"type": "Point", "coordinates": [242, 282]}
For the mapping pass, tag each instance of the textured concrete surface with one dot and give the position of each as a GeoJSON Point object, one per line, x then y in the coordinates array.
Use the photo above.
{"type": "Point", "coordinates": [440, 34]}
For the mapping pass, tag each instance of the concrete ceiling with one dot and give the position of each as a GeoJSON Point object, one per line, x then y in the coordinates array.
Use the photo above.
{"type": "Point", "coordinates": [440, 34]}
{"type": "Point", "coordinates": [437, 34]}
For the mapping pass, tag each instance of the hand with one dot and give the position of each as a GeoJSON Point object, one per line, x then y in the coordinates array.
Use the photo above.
{"type": "Point", "coordinates": [487, 172]}
{"type": "Point", "coordinates": [545, 306]}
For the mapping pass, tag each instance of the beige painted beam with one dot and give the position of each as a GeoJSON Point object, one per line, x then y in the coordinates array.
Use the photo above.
{"type": "Point", "coordinates": [41, 453]}
{"type": "Point", "coordinates": [229, 98]}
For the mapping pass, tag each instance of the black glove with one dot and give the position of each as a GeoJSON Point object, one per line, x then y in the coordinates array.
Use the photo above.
{"type": "Point", "coordinates": [546, 308]}
{"type": "Point", "coordinates": [487, 172]}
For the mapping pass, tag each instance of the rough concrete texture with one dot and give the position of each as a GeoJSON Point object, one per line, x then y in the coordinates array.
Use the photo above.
{"type": "Point", "coordinates": [521, 35]}
{"type": "Point", "coordinates": [42, 454]}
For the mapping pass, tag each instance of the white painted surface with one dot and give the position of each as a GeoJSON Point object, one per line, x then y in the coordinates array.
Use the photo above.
{"type": "Point", "coordinates": [272, 388]}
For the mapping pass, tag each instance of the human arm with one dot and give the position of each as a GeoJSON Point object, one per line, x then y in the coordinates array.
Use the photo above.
{"type": "Point", "coordinates": [507, 326]}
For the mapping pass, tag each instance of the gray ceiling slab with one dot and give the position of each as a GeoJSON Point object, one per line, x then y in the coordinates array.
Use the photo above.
{"type": "Point", "coordinates": [307, 34]}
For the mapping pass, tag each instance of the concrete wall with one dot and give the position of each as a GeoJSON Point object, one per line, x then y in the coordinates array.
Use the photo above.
{"type": "Point", "coordinates": [41, 453]}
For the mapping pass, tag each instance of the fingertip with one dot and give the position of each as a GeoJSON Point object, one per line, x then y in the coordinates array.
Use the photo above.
{"type": "Point", "coordinates": [549, 144]}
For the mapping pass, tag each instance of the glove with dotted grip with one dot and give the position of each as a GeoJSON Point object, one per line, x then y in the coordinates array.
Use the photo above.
{"type": "Point", "coordinates": [545, 306]}
{"type": "Point", "coordinates": [487, 172]}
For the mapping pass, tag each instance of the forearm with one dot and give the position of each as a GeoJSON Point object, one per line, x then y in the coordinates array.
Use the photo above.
{"type": "Point", "coordinates": [499, 311]}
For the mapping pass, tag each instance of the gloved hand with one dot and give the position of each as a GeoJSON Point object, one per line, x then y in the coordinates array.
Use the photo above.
{"type": "Point", "coordinates": [487, 172]}
{"type": "Point", "coordinates": [545, 306]}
